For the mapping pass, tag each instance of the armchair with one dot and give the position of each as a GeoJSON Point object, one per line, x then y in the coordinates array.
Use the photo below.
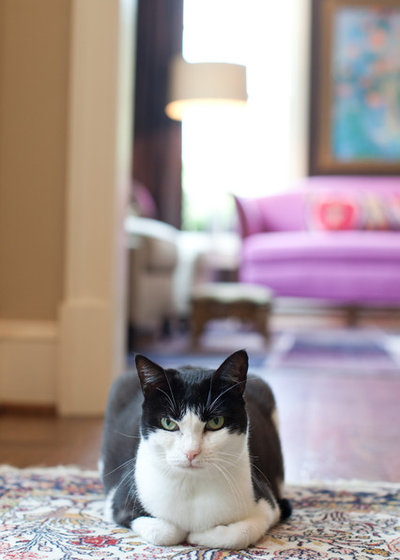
{"type": "Point", "coordinates": [153, 258]}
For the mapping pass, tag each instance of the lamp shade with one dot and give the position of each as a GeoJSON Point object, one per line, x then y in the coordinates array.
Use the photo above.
{"type": "Point", "coordinates": [204, 84]}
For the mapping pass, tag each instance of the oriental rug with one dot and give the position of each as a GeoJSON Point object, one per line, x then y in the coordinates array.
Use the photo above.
{"type": "Point", "coordinates": [56, 513]}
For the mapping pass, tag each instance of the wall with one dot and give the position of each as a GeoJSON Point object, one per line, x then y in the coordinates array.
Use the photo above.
{"type": "Point", "coordinates": [34, 38]}
{"type": "Point", "coordinates": [34, 66]}
{"type": "Point", "coordinates": [64, 169]}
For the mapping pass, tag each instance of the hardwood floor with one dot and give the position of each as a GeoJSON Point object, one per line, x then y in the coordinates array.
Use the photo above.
{"type": "Point", "coordinates": [339, 426]}
{"type": "Point", "coordinates": [30, 440]}
{"type": "Point", "coordinates": [332, 426]}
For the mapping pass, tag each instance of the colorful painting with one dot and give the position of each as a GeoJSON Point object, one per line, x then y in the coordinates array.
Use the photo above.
{"type": "Point", "coordinates": [356, 114]}
{"type": "Point", "coordinates": [366, 83]}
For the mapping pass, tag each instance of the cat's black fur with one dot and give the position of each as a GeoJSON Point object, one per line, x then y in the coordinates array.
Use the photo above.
{"type": "Point", "coordinates": [129, 416]}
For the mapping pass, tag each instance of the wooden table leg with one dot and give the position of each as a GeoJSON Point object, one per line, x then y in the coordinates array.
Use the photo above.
{"type": "Point", "coordinates": [198, 320]}
{"type": "Point", "coordinates": [262, 316]}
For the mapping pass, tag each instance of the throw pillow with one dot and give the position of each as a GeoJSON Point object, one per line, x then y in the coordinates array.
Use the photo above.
{"type": "Point", "coordinates": [394, 211]}
{"type": "Point", "coordinates": [379, 212]}
{"type": "Point", "coordinates": [332, 212]}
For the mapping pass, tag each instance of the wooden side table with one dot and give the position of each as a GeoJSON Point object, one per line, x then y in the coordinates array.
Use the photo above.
{"type": "Point", "coordinates": [220, 300]}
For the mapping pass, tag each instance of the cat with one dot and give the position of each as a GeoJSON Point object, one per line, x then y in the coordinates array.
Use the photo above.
{"type": "Point", "coordinates": [190, 456]}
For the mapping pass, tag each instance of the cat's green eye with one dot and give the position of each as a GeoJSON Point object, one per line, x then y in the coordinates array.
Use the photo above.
{"type": "Point", "coordinates": [215, 423]}
{"type": "Point", "coordinates": [169, 424]}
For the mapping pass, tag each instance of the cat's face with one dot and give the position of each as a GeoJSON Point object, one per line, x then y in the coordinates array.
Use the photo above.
{"type": "Point", "coordinates": [194, 419]}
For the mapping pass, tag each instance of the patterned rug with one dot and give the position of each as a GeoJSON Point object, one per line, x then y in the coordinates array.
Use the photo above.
{"type": "Point", "coordinates": [56, 513]}
{"type": "Point", "coordinates": [336, 350]}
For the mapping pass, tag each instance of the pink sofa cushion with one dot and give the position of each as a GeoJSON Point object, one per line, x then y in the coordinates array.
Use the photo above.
{"type": "Point", "coordinates": [335, 281]}
{"type": "Point", "coordinates": [342, 266]}
{"type": "Point", "coordinates": [305, 246]}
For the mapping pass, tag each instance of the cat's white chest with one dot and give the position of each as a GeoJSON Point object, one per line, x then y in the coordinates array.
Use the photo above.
{"type": "Point", "coordinates": [194, 499]}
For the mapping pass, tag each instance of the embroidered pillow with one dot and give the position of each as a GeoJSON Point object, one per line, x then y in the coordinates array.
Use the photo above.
{"type": "Point", "coordinates": [394, 211]}
{"type": "Point", "coordinates": [333, 212]}
{"type": "Point", "coordinates": [380, 212]}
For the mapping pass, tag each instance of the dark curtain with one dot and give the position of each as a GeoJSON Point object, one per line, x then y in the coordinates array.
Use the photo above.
{"type": "Point", "coordinates": [157, 139]}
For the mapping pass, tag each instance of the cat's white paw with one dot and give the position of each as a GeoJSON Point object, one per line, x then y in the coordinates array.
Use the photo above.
{"type": "Point", "coordinates": [224, 536]}
{"type": "Point", "coordinates": [240, 534]}
{"type": "Point", "coordinates": [157, 531]}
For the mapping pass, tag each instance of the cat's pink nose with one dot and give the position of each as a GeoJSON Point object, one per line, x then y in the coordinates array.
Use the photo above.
{"type": "Point", "coordinates": [192, 453]}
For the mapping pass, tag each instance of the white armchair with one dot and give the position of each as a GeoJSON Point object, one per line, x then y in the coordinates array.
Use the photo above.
{"type": "Point", "coordinates": [164, 265]}
{"type": "Point", "coordinates": [153, 258]}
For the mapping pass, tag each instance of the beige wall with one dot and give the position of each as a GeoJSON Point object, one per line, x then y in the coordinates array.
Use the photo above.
{"type": "Point", "coordinates": [65, 151]}
{"type": "Point", "coordinates": [34, 63]}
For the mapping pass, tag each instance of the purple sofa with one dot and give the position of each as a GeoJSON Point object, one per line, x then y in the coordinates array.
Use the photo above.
{"type": "Point", "coordinates": [330, 238]}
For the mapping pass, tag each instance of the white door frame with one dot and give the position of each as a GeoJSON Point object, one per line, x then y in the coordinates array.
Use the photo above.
{"type": "Point", "coordinates": [91, 321]}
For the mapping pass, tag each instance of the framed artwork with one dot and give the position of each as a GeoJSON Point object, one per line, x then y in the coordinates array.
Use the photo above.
{"type": "Point", "coordinates": [355, 87]}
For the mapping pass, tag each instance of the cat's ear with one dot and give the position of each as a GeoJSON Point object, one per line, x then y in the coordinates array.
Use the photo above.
{"type": "Point", "coordinates": [151, 375]}
{"type": "Point", "coordinates": [234, 368]}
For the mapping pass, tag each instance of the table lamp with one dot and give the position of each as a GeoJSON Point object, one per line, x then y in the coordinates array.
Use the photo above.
{"type": "Point", "coordinates": [204, 85]}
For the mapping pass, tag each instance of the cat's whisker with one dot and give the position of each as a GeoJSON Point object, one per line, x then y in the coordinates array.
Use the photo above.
{"type": "Point", "coordinates": [228, 474]}
{"type": "Point", "coordinates": [213, 404]}
{"type": "Point", "coordinates": [136, 436]}
{"type": "Point", "coordinates": [261, 473]}
{"type": "Point", "coordinates": [128, 474]}
{"type": "Point", "coordinates": [171, 402]}
{"type": "Point", "coordinates": [231, 484]}
{"type": "Point", "coordinates": [132, 494]}
{"type": "Point", "coordinates": [234, 455]}
{"type": "Point", "coordinates": [226, 462]}
{"type": "Point", "coordinates": [209, 392]}
{"type": "Point", "coordinates": [171, 391]}
{"type": "Point", "coordinates": [132, 459]}
{"type": "Point", "coordinates": [132, 491]}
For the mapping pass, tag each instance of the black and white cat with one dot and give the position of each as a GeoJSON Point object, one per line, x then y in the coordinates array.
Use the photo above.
{"type": "Point", "coordinates": [189, 455]}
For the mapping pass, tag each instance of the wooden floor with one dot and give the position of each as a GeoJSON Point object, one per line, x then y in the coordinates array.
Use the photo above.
{"type": "Point", "coordinates": [332, 426]}
{"type": "Point", "coordinates": [340, 426]}
{"type": "Point", "coordinates": [32, 440]}
{"type": "Point", "coordinates": [344, 427]}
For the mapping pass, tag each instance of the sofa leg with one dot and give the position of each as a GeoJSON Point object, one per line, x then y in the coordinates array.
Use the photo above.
{"type": "Point", "coordinates": [261, 322]}
{"type": "Point", "coordinates": [352, 315]}
{"type": "Point", "coordinates": [198, 320]}
{"type": "Point", "coordinates": [166, 327]}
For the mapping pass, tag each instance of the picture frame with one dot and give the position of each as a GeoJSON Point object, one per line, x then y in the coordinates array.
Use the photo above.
{"type": "Point", "coordinates": [355, 92]}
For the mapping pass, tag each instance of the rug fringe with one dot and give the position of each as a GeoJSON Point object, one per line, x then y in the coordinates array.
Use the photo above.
{"type": "Point", "coordinates": [58, 469]}
{"type": "Point", "coordinates": [344, 483]}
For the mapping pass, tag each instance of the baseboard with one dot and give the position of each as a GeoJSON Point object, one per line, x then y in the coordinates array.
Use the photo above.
{"type": "Point", "coordinates": [28, 360]}
{"type": "Point", "coordinates": [18, 409]}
